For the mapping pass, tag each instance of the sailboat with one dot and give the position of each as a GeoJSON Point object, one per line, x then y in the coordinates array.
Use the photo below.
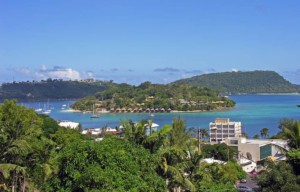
{"type": "Point", "coordinates": [39, 109]}
{"type": "Point", "coordinates": [94, 115]}
{"type": "Point", "coordinates": [47, 109]}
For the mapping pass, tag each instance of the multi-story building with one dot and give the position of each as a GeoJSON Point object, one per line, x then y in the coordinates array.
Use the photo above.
{"type": "Point", "coordinates": [251, 151]}
{"type": "Point", "coordinates": [223, 128]}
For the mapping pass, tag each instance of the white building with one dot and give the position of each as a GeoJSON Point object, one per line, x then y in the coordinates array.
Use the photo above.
{"type": "Point", "coordinates": [250, 151]}
{"type": "Point", "coordinates": [69, 124]}
{"type": "Point", "coordinates": [223, 128]}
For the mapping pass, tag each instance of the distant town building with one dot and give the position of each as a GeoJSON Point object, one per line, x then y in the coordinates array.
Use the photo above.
{"type": "Point", "coordinates": [223, 128]}
{"type": "Point", "coordinates": [69, 124]}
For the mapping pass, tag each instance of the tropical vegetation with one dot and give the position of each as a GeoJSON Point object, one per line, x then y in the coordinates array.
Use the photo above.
{"type": "Point", "coordinates": [149, 97]}
{"type": "Point", "coordinates": [38, 155]}
{"type": "Point", "coordinates": [284, 175]}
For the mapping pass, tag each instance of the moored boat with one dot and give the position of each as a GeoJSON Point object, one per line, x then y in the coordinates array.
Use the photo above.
{"type": "Point", "coordinates": [94, 115]}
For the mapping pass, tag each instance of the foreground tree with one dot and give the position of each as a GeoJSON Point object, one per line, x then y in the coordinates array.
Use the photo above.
{"type": "Point", "coordinates": [23, 149]}
{"type": "Point", "coordinates": [293, 158]}
{"type": "Point", "coordinates": [292, 133]}
{"type": "Point", "coordinates": [278, 177]}
{"type": "Point", "coordinates": [219, 151]}
{"type": "Point", "coordinates": [218, 177]}
{"type": "Point", "coordinates": [110, 165]}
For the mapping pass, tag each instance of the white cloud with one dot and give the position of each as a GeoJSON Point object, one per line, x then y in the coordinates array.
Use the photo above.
{"type": "Point", "coordinates": [23, 71]}
{"type": "Point", "coordinates": [43, 68]}
{"type": "Point", "coordinates": [234, 70]}
{"type": "Point", "coordinates": [58, 73]}
{"type": "Point", "coordinates": [54, 73]}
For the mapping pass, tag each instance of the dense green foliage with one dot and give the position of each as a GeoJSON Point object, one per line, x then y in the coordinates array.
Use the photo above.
{"type": "Point", "coordinates": [147, 96]}
{"type": "Point", "coordinates": [242, 82]}
{"type": "Point", "coordinates": [24, 152]}
{"type": "Point", "coordinates": [181, 164]}
{"type": "Point", "coordinates": [284, 176]}
{"type": "Point", "coordinates": [279, 177]}
{"type": "Point", "coordinates": [110, 165]}
{"type": "Point", "coordinates": [218, 177]}
{"type": "Point", "coordinates": [219, 151]}
{"type": "Point", "coordinates": [37, 154]}
{"type": "Point", "coordinates": [51, 89]}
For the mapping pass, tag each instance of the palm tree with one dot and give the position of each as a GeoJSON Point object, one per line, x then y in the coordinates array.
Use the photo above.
{"type": "Point", "coordinates": [179, 134]}
{"type": "Point", "coordinates": [292, 133]}
{"type": "Point", "coordinates": [204, 133]}
{"type": "Point", "coordinates": [264, 132]}
{"type": "Point", "coordinates": [134, 132]}
{"type": "Point", "coordinates": [170, 144]}
{"type": "Point", "coordinates": [157, 139]}
{"type": "Point", "coordinates": [256, 136]}
{"type": "Point", "coordinates": [19, 132]}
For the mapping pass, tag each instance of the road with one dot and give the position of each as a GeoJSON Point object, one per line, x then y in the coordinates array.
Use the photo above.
{"type": "Point", "coordinates": [250, 183]}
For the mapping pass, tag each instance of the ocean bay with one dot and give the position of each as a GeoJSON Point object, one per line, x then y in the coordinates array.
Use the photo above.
{"type": "Point", "coordinates": [254, 111]}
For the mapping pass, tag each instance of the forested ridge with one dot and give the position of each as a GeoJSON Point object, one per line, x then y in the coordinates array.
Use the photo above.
{"type": "Point", "coordinates": [51, 89]}
{"type": "Point", "coordinates": [149, 97]}
{"type": "Point", "coordinates": [227, 82]}
{"type": "Point", "coordinates": [242, 82]}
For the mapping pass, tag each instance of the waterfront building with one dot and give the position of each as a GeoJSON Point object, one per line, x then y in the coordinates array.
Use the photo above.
{"type": "Point", "coordinates": [68, 124]}
{"type": "Point", "coordinates": [252, 151]}
{"type": "Point", "coordinates": [223, 128]}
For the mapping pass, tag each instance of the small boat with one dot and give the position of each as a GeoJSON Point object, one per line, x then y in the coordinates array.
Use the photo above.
{"type": "Point", "coordinates": [38, 110]}
{"type": "Point", "coordinates": [94, 115]}
{"type": "Point", "coordinates": [47, 108]}
{"type": "Point", "coordinates": [46, 111]}
{"type": "Point", "coordinates": [298, 105]}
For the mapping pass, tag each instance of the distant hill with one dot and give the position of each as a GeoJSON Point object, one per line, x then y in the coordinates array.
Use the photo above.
{"type": "Point", "coordinates": [51, 89]}
{"type": "Point", "coordinates": [242, 82]}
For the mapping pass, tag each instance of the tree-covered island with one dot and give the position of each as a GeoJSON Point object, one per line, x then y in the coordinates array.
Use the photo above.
{"type": "Point", "coordinates": [147, 97]}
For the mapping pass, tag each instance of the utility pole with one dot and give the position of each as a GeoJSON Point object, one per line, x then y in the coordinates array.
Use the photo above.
{"type": "Point", "coordinates": [199, 141]}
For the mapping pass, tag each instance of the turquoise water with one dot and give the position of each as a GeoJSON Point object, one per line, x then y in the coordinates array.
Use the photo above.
{"type": "Point", "coordinates": [254, 111]}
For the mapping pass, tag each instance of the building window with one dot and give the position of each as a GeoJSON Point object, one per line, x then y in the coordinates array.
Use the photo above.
{"type": "Point", "coordinates": [265, 151]}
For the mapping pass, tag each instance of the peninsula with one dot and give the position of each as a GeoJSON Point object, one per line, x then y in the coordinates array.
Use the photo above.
{"type": "Point", "coordinates": [147, 97]}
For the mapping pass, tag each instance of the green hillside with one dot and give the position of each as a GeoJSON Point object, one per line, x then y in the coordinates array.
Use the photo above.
{"type": "Point", "coordinates": [51, 89]}
{"type": "Point", "coordinates": [149, 97]}
{"type": "Point", "coordinates": [242, 82]}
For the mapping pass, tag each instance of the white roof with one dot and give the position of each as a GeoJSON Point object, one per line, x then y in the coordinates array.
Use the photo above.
{"type": "Point", "coordinates": [212, 160]}
{"type": "Point", "coordinates": [261, 142]}
{"type": "Point", "coordinates": [68, 124]}
{"type": "Point", "coordinates": [97, 131]}
{"type": "Point", "coordinates": [153, 125]}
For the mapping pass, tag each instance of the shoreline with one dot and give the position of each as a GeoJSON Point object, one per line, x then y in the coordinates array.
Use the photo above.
{"type": "Point", "coordinates": [172, 111]}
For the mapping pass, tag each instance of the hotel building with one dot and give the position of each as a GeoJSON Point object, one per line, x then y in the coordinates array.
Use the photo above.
{"type": "Point", "coordinates": [223, 128]}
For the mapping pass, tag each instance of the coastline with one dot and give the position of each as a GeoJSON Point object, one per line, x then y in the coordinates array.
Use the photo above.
{"type": "Point", "coordinates": [172, 111]}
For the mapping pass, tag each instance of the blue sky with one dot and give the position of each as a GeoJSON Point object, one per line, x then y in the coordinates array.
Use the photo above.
{"type": "Point", "coordinates": [147, 40]}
